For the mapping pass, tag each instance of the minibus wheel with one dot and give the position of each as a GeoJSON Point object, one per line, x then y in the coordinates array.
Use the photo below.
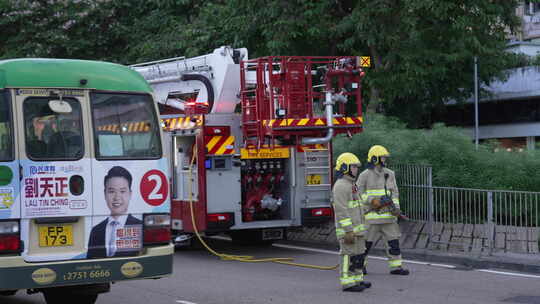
{"type": "Point", "coordinates": [59, 298]}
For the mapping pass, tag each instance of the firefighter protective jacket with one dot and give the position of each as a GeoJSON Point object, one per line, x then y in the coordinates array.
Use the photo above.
{"type": "Point", "coordinates": [371, 184]}
{"type": "Point", "coordinates": [347, 208]}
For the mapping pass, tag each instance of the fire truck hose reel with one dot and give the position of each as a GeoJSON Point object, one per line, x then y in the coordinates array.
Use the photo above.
{"type": "Point", "coordinates": [239, 258]}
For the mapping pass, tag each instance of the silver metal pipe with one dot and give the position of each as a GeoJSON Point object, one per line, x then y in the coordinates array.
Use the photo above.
{"type": "Point", "coordinates": [174, 151]}
{"type": "Point", "coordinates": [165, 79]}
{"type": "Point", "coordinates": [329, 123]}
{"type": "Point", "coordinates": [157, 61]}
{"type": "Point", "coordinates": [293, 166]}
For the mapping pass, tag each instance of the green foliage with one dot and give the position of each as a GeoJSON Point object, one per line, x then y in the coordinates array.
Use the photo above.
{"type": "Point", "coordinates": [450, 152]}
{"type": "Point", "coordinates": [124, 31]}
{"type": "Point", "coordinates": [422, 50]}
{"type": "Point", "coordinates": [297, 27]}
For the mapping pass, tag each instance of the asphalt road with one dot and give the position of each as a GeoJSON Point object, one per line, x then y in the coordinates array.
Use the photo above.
{"type": "Point", "coordinates": [200, 278]}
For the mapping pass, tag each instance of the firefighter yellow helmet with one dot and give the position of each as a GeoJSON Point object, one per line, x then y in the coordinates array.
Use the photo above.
{"type": "Point", "coordinates": [375, 153]}
{"type": "Point", "coordinates": [345, 160]}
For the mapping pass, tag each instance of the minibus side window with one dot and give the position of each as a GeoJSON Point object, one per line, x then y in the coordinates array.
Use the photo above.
{"type": "Point", "coordinates": [50, 135]}
{"type": "Point", "coordinates": [6, 128]}
{"type": "Point", "coordinates": [125, 126]}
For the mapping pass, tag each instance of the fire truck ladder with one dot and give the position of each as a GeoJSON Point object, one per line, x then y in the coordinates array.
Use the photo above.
{"type": "Point", "coordinates": [317, 170]}
{"type": "Point", "coordinates": [251, 122]}
{"type": "Point", "coordinates": [250, 125]}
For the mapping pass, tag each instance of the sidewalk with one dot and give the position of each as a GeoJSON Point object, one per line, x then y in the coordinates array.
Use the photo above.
{"type": "Point", "coordinates": [433, 252]}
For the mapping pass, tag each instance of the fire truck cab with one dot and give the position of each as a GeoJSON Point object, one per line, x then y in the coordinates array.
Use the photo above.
{"type": "Point", "coordinates": [249, 140]}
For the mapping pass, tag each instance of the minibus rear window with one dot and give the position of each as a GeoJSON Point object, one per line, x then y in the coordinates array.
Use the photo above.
{"type": "Point", "coordinates": [125, 126]}
{"type": "Point", "coordinates": [50, 135]}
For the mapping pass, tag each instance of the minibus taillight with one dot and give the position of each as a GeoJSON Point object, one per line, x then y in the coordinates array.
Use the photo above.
{"type": "Point", "coordinates": [157, 229]}
{"type": "Point", "coordinates": [10, 239]}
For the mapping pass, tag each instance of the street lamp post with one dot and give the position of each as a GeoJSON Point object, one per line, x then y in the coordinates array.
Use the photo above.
{"type": "Point", "coordinates": [476, 135]}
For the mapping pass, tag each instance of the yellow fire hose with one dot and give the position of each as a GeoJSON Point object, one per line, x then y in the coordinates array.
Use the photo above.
{"type": "Point", "coordinates": [239, 258]}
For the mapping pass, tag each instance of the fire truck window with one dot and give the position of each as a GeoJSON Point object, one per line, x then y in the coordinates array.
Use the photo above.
{"type": "Point", "coordinates": [51, 135]}
{"type": "Point", "coordinates": [6, 127]}
{"type": "Point", "coordinates": [126, 126]}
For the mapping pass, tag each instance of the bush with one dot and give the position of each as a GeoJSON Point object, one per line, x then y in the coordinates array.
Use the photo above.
{"type": "Point", "coordinates": [450, 152]}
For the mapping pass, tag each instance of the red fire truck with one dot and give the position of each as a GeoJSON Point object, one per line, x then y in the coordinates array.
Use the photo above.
{"type": "Point", "coordinates": [249, 140]}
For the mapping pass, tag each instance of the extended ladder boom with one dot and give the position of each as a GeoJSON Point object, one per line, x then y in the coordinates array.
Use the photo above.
{"type": "Point", "coordinates": [211, 81]}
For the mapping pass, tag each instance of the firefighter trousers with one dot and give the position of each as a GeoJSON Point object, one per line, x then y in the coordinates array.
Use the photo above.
{"type": "Point", "coordinates": [351, 261]}
{"type": "Point", "coordinates": [391, 234]}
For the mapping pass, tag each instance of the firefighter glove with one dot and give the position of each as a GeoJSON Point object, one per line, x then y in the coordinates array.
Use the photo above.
{"type": "Point", "coordinates": [349, 238]}
{"type": "Point", "coordinates": [376, 204]}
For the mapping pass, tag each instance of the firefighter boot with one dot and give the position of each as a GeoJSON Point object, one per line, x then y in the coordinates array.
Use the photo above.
{"type": "Point", "coordinates": [368, 247]}
{"type": "Point", "coordinates": [366, 284]}
{"type": "Point", "coordinates": [355, 288]}
{"type": "Point", "coordinates": [400, 271]}
{"type": "Point", "coordinates": [394, 255]}
{"type": "Point", "coordinates": [357, 263]}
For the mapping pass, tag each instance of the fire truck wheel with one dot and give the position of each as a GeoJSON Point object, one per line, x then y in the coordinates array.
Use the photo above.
{"type": "Point", "coordinates": [193, 245]}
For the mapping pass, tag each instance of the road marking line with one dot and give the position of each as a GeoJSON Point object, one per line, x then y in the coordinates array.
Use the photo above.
{"type": "Point", "coordinates": [184, 302]}
{"type": "Point", "coordinates": [406, 261]}
{"type": "Point", "coordinates": [411, 262]}
{"type": "Point", "coordinates": [377, 258]}
{"type": "Point", "coordinates": [305, 248]}
{"type": "Point", "coordinates": [414, 262]}
{"type": "Point", "coordinates": [510, 273]}
{"type": "Point", "coordinates": [442, 265]}
{"type": "Point", "coordinates": [370, 257]}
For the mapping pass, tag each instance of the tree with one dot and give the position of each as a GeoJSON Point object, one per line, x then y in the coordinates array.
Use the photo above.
{"type": "Point", "coordinates": [274, 27]}
{"type": "Point", "coordinates": [423, 50]}
{"type": "Point", "coordinates": [124, 31]}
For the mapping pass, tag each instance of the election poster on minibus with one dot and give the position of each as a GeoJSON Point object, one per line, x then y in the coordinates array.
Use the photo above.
{"type": "Point", "coordinates": [139, 187]}
{"type": "Point", "coordinates": [123, 193]}
{"type": "Point", "coordinates": [48, 190]}
{"type": "Point", "coordinates": [9, 190]}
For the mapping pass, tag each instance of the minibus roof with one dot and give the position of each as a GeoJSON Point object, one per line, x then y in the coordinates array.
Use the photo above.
{"type": "Point", "coordinates": [69, 73]}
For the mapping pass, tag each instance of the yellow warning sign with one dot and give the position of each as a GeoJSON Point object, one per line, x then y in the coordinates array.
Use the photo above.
{"type": "Point", "coordinates": [365, 61]}
{"type": "Point", "coordinates": [264, 153]}
{"type": "Point", "coordinates": [313, 179]}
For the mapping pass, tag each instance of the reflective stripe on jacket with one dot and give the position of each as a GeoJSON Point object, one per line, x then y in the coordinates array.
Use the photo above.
{"type": "Point", "coordinates": [371, 184]}
{"type": "Point", "coordinates": [347, 208]}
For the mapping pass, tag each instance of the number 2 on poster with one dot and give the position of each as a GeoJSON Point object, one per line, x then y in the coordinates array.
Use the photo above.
{"type": "Point", "coordinates": [154, 188]}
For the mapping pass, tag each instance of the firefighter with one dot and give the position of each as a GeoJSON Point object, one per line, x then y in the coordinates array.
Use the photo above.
{"type": "Point", "coordinates": [380, 200]}
{"type": "Point", "coordinates": [350, 228]}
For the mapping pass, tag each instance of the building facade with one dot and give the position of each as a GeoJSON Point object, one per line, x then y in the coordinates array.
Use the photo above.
{"type": "Point", "coordinates": [510, 113]}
